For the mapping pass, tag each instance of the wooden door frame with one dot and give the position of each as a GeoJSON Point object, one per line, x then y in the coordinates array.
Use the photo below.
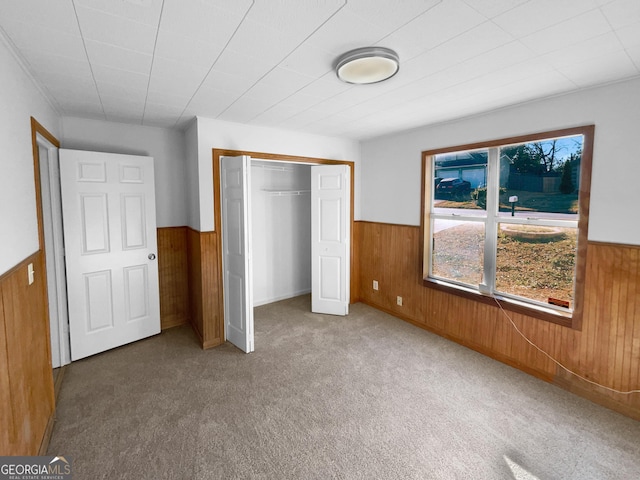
{"type": "Point", "coordinates": [38, 129]}
{"type": "Point", "coordinates": [217, 153]}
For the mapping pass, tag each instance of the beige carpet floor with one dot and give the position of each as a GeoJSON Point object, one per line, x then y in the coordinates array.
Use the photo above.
{"type": "Point", "coordinates": [362, 397]}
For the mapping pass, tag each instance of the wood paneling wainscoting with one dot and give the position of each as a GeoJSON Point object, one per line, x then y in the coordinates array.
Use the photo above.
{"type": "Point", "coordinates": [188, 273]}
{"type": "Point", "coordinates": [26, 378]}
{"type": "Point", "coordinates": [606, 350]}
{"type": "Point", "coordinates": [173, 276]}
{"type": "Point", "coordinates": [204, 293]}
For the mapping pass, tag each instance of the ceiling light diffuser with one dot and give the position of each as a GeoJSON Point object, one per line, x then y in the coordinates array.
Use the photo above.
{"type": "Point", "coordinates": [367, 65]}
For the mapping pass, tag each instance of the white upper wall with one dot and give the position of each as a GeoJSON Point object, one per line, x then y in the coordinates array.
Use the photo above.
{"type": "Point", "coordinates": [235, 136]}
{"type": "Point", "coordinates": [20, 100]}
{"type": "Point", "coordinates": [191, 175]}
{"type": "Point", "coordinates": [167, 147]}
{"type": "Point", "coordinates": [390, 166]}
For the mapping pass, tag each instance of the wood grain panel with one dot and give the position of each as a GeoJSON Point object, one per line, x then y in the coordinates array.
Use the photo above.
{"type": "Point", "coordinates": [195, 282]}
{"type": "Point", "coordinates": [6, 407]}
{"type": "Point", "coordinates": [212, 303]}
{"type": "Point", "coordinates": [173, 276]}
{"type": "Point", "coordinates": [606, 349]}
{"type": "Point", "coordinates": [205, 300]}
{"type": "Point", "coordinates": [28, 356]}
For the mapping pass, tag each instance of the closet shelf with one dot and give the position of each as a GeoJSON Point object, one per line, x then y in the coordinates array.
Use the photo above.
{"type": "Point", "coordinates": [283, 193]}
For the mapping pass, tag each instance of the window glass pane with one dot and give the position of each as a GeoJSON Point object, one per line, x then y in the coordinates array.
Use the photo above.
{"type": "Point", "coordinates": [536, 262]}
{"type": "Point", "coordinates": [541, 179]}
{"type": "Point", "coordinates": [458, 251]}
{"type": "Point", "coordinates": [457, 176]}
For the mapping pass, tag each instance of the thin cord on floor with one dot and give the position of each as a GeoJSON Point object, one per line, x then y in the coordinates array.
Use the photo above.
{"type": "Point", "coordinates": [628, 392]}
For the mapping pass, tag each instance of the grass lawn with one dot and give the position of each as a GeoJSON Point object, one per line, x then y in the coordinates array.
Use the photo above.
{"type": "Point", "coordinates": [527, 202]}
{"type": "Point", "coordinates": [536, 270]}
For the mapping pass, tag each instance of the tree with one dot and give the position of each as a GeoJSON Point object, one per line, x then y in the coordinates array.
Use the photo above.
{"type": "Point", "coordinates": [566, 183]}
{"type": "Point", "coordinates": [522, 158]}
{"type": "Point", "coordinates": [547, 154]}
{"type": "Point", "coordinates": [536, 157]}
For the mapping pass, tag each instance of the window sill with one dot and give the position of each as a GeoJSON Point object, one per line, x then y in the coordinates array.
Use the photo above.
{"type": "Point", "coordinates": [540, 313]}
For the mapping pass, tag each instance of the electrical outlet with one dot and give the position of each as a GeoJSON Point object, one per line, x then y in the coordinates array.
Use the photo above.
{"type": "Point", "coordinates": [375, 284]}
{"type": "Point", "coordinates": [399, 300]}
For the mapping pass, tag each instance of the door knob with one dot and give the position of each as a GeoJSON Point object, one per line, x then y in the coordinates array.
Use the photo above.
{"type": "Point", "coordinates": [152, 256]}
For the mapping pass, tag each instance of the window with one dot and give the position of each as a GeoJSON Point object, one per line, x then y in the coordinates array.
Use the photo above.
{"type": "Point", "coordinates": [507, 220]}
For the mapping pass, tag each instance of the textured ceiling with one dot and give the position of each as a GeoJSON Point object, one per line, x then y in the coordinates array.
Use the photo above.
{"type": "Point", "coordinates": [269, 62]}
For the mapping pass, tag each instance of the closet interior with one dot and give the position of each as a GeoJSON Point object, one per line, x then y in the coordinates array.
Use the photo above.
{"type": "Point", "coordinates": [281, 230]}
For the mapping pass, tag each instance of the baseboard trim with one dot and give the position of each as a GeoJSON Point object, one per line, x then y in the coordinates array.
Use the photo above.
{"type": "Point", "coordinates": [46, 438]}
{"type": "Point", "coordinates": [259, 303]}
{"type": "Point", "coordinates": [174, 323]}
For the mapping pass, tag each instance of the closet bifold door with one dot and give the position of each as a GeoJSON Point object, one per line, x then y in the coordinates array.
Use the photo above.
{"type": "Point", "coordinates": [235, 190]}
{"type": "Point", "coordinates": [330, 239]}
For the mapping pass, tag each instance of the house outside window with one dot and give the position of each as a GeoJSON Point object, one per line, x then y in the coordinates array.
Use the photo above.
{"type": "Point", "coordinates": [506, 221]}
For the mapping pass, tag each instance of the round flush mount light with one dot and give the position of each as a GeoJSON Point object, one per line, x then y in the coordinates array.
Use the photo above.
{"type": "Point", "coordinates": [367, 65]}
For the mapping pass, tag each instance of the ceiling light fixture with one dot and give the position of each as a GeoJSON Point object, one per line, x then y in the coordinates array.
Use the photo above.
{"type": "Point", "coordinates": [367, 65]}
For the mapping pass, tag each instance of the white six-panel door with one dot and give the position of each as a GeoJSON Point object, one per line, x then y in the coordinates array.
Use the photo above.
{"type": "Point", "coordinates": [236, 250]}
{"type": "Point", "coordinates": [330, 239]}
{"type": "Point", "coordinates": [108, 204]}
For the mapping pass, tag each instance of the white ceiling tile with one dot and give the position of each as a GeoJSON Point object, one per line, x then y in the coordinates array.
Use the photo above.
{"type": "Point", "coordinates": [115, 30]}
{"type": "Point", "coordinates": [569, 32]}
{"type": "Point", "coordinates": [634, 55]}
{"type": "Point", "coordinates": [584, 51]}
{"type": "Point", "coordinates": [202, 20]}
{"type": "Point", "coordinates": [45, 40]}
{"type": "Point", "coordinates": [174, 77]}
{"type": "Point", "coordinates": [142, 11]}
{"type": "Point", "coordinates": [486, 39]}
{"type": "Point", "coordinates": [57, 15]}
{"type": "Point", "coordinates": [629, 36]}
{"type": "Point", "coordinates": [325, 87]}
{"type": "Point", "coordinates": [208, 62]}
{"type": "Point", "coordinates": [244, 109]}
{"type": "Point", "coordinates": [83, 111]}
{"type": "Point", "coordinates": [434, 28]}
{"type": "Point", "coordinates": [622, 13]}
{"type": "Point", "coordinates": [171, 100]}
{"type": "Point", "coordinates": [134, 111]}
{"type": "Point", "coordinates": [300, 101]}
{"type": "Point", "coordinates": [309, 60]}
{"type": "Point", "coordinates": [116, 57]}
{"type": "Point", "coordinates": [104, 74]}
{"type": "Point", "coordinates": [281, 80]}
{"type": "Point", "coordinates": [123, 91]}
{"type": "Point", "coordinates": [305, 118]}
{"type": "Point", "coordinates": [275, 114]}
{"type": "Point", "coordinates": [344, 32]}
{"type": "Point", "coordinates": [49, 63]}
{"type": "Point", "coordinates": [209, 103]}
{"type": "Point", "coordinates": [492, 8]}
{"type": "Point", "coordinates": [231, 83]}
{"type": "Point", "coordinates": [300, 18]}
{"type": "Point", "coordinates": [537, 15]}
{"type": "Point", "coordinates": [238, 63]}
{"type": "Point", "coordinates": [156, 109]}
{"type": "Point", "coordinates": [390, 15]}
{"type": "Point", "coordinates": [67, 84]}
{"type": "Point", "coordinates": [606, 68]}
{"type": "Point", "coordinates": [249, 41]}
{"type": "Point", "coordinates": [186, 48]}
